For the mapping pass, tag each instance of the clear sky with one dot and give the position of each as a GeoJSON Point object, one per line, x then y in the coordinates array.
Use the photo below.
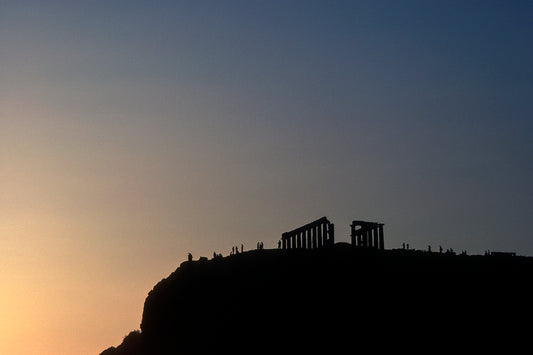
{"type": "Point", "coordinates": [134, 132]}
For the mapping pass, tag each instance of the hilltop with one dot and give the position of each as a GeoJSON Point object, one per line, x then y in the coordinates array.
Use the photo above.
{"type": "Point", "coordinates": [293, 301]}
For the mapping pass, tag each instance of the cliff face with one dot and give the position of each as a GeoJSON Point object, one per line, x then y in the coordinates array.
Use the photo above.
{"type": "Point", "coordinates": [306, 300]}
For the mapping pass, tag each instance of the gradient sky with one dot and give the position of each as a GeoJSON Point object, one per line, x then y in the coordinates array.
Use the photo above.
{"type": "Point", "coordinates": [134, 132]}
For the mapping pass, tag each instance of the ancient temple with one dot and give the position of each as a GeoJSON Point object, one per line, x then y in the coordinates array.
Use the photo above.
{"type": "Point", "coordinates": [310, 236]}
{"type": "Point", "coordinates": [367, 234]}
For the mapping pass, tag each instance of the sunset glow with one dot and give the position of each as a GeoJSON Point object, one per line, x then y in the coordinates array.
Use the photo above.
{"type": "Point", "coordinates": [133, 133]}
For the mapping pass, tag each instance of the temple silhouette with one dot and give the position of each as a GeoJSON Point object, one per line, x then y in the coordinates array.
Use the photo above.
{"type": "Point", "coordinates": [310, 236]}
{"type": "Point", "coordinates": [321, 233]}
{"type": "Point", "coordinates": [367, 234]}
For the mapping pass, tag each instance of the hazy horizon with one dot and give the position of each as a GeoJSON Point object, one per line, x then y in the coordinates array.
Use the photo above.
{"type": "Point", "coordinates": [133, 133]}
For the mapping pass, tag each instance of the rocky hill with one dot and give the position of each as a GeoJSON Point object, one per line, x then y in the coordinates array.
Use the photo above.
{"type": "Point", "coordinates": [329, 300]}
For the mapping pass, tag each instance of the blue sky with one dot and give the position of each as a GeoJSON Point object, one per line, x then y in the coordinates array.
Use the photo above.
{"type": "Point", "coordinates": [142, 131]}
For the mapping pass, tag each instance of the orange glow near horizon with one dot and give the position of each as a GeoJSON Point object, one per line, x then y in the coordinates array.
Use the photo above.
{"type": "Point", "coordinates": [54, 299]}
{"type": "Point", "coordinates": [65, 288]}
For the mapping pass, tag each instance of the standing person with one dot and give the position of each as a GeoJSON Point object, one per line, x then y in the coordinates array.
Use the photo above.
{"type": "Point", "coordinates": [242, 248]}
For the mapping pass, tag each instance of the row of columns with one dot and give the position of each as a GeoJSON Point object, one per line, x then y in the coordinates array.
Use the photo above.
{"type": "Point", "coordinates": [311, 236]}
{"type": "Point", "coordinates": [321, 232]}
{"type": "Point", "coordinates": [367, 234]}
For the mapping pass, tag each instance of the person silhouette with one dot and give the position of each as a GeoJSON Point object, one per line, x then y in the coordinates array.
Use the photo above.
{"type": "Point", "coordinates": [189, 257]}
{"type": "Point", "coordinates": [279, 244]}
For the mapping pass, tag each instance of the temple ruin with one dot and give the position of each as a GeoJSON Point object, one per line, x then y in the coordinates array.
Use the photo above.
{"type": "Point", "coordinates": [367, 234]}
{"type": "Point", "coordinates": [310, 236]}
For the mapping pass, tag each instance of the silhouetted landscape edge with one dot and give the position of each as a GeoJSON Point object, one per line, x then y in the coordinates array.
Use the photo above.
{"type": "Point", "coordinates": [289, 301]}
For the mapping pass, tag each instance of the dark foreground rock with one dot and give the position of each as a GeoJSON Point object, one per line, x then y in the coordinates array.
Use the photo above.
{"type": "Point", "coordinates": [335, 300]}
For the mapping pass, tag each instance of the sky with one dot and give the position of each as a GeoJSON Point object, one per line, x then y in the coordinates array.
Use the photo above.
{"type": "Point", "coordinates": [135, 132]}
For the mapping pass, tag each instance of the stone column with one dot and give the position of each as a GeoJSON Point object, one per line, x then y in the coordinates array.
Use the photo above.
{"type": "Point", "coordinates": [381, 238]}
{"type": "Point", "coordinates": [319, 237]}
{"type": "Point", "coordinates": [331, 234]}
{"type": "Point", "coordinates": [327, 238]}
